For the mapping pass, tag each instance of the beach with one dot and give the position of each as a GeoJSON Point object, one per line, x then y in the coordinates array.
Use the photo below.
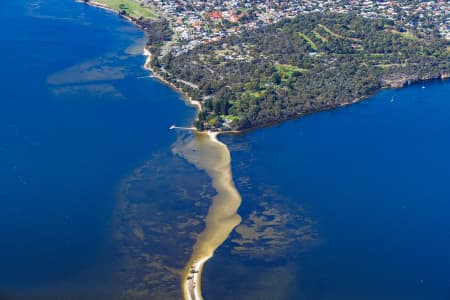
{"type": "Point", "coordinates": [213, 157]}
{"type": "Point", "coordinates": [186, 98]}
{"type": "Point", "coordinates": [207, 153]}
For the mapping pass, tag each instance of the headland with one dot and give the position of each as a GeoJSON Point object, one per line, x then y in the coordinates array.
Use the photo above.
{"type": "Point", "coordinates": [265, 75]}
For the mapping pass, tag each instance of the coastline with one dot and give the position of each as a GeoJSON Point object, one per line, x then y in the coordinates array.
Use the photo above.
{"type": "Point", "coordinates": [399, 83]}
{"type": "Point", "coordinates": [186, 98]}
{"type": "Point", "coordinates": [443, 77]}
{"type": "Point", "coordinates": [222, 215]}
{"type": "Point", "coordinates": [191, 275]}
{"type": "Point", "coordinates": [105, 7]}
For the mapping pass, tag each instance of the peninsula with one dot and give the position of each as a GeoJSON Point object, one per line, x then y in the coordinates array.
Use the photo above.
{"type": "Point", "coordinates": [300, 66]}
{"type": "Point", "coordinates": [252, 65]}
{"type": "Point", "coordinates": [248, 65]}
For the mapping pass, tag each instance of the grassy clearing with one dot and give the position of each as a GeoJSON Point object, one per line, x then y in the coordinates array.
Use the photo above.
{"type": "Point", "coordinates": [309, 41]}
{"type": "Point", "coordinates": [409, 36]}
{"type": "Point", "coordinates": [320, 37]}
{"type": "Point", "coordinates": [255, 93]}
{"type": "Point", "coordinates": [131, 7]}
{"type": "Point", "coordinates": [230, 118]}
{"type": "Point", "coordinates": [387, 66]}
{"type": "Point", "coordinates": [406, 35]}
{"type": "Point", "coordinates": [337, 35]}
{"type": "Point", "coordinates": [287, 71]}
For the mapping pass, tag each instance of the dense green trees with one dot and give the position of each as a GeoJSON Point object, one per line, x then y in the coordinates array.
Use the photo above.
{"type": "Point", "coordinates": [302, 65]}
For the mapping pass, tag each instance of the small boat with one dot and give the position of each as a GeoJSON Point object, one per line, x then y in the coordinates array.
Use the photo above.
{"type": "Point", "coordinates": [423, 86]}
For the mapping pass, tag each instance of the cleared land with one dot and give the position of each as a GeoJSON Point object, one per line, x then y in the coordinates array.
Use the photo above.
{"type": "Point", "coordinates": [406, 34]}
{"type": "Point", "coordinates": [309, 41]}
{"type": "Point", "coordinates": [329, 31]}
{"type": "Point", "coordinates": [131, 7]}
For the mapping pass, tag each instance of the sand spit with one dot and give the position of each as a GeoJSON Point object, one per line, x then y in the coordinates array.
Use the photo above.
{"type": "Point", "coordinates": [207, 153]}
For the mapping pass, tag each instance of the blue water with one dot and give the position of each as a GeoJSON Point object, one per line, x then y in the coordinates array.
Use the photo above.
{"type": "Point", "coordinates": [75, 118]}
{"type": "Point", "coordinates": [374, 176]}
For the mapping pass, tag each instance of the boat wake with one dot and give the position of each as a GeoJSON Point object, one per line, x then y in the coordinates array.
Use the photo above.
{"type": "Point", "coordinates": [182, 128]}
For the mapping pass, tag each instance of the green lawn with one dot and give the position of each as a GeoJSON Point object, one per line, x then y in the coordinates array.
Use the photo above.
{"type": "Point", "coordinates": [230, 118]}
{"type": "Point", "coordinates": [287, 71]}
{"type": "Point", "coordinates": [255, 93]}
{"type": "Point", "coordinates": [406, 34]}
{"type": "Point", "coordinates": [132, 8]}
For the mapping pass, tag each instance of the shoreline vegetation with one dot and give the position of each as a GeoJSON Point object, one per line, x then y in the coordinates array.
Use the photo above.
{"type": "Point", "coordinates": [275, 73]}
{"type": "Point", "coordinates": [266, 76]}
{"type": "Point", "coordinates": [187, 99]}
{"type": "Point", "coordinates": [257, 79]}
{"type": "Point", "coordinates": [207, 153]}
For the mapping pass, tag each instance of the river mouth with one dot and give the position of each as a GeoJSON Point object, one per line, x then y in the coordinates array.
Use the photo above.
{"type": "Point", "coordinates": [207, 153]}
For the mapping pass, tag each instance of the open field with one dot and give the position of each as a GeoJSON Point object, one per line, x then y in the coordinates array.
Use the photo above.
{"type": "Point", "coordinates": [131, 7]}
{"type": "Point", "coordinates": [406, 34]}
{"type": "Point", "coordinates": [329, 31]}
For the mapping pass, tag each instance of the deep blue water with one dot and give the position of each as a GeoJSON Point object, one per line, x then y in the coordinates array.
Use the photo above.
{"type": "Point", "coordinates": [375, 177]}
{"type": "Point", "coordinates": [75, 118]}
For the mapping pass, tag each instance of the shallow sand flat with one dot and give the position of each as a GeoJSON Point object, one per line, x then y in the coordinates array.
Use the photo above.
{"type": "Point", "coordinates": [207, 153]}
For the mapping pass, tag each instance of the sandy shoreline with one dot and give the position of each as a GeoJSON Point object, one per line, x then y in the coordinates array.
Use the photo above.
{"type": "Point", "coordinates": [192, 287]}
{"type": "Point", "coordinates": [185, 96]}
{"type": "Point", "coordinates": [209, 154]}
{"type": "Point", "coordinates": [192, 274]}
{"type": "Point", "coordinates": [222, 215]}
